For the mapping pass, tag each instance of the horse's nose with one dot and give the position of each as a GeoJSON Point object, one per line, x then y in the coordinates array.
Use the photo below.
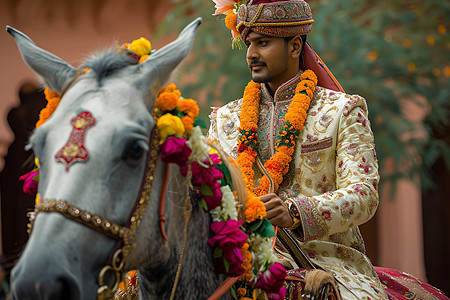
{"type": "Point", "coordinates": [42, 283]}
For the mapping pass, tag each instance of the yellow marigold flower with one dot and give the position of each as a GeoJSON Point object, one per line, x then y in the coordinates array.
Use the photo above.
{"type": "Point", "coordinates": [169, 125]}
{"type": "Point", "coordinates": [141, 46]}
{"type": "Point", "coordinates": [37, 199]}
{"type": "Point", "coordinates": [430, 40]}
{"type": "Point", "coordinates": [441, 29]}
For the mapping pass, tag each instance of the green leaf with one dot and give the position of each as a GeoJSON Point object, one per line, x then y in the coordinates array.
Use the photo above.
{"type": "Point", "coordinates": [200, 122]}
{"type": "Point", "coordinates": [255, 225]}
{"type": "Point", "coordinates": [226, 264]}
{"type": "Point", "coordinates": [218, 252]}
{"type": "Point", "coordinates": [206, 190]}
{"type": "Point", "coordinates": [226, 179]}
{"type": "Point", "coordinates": [233, 292]}
{"type": "Point", "coordinates": [202, 204]}
{"type": "Point", "coordinates": [265, 229]}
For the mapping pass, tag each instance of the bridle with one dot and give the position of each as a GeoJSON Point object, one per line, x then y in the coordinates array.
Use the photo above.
{"type": "Point", "coordinates": [126, 235]}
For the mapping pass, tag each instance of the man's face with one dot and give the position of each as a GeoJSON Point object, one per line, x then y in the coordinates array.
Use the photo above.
{"type": "Point", "coordinates": [268, 59]}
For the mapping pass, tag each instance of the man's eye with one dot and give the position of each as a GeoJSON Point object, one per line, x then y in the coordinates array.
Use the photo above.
{"type": "Point", "coordinates": [263, 43]}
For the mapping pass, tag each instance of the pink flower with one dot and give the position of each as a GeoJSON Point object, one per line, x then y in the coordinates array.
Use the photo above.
{"type": "Point", "coordinates": [214, 200]}
{"type": "Point", "coordinates": [277, 296]}
{"type": "Point", "coordinates": [223, 6]}
{"type": "Point", "coordinates": [201, 174]}
{"type": "Point", "coordinates": [30, 186]}
{"type": "Point", "coordinates": [271, 281]}
{"type": "Point", "coordinates": [230, 239]}
{"type": "Point", "coordinates": [175, 150]}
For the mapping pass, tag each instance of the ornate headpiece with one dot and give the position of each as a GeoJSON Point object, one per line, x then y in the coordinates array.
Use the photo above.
{"type": "Point", "coordinates": [275, 18]}
{"type": "Point", "coordinates": [269, 17]}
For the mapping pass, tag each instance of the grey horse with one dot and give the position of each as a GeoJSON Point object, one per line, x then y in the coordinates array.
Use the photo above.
{"type": "Point", "coordinates": [62, 258]}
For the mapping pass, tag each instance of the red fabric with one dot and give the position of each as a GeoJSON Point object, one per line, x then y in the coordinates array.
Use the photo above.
{"type": "Point", "coordinates": [313, 62]}
{"type": "Point", "coordinates": [400, 285]}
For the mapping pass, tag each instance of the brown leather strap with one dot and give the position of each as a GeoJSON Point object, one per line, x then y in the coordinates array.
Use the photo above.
{"type": "Point", "coordinates": [223, 288]}
{"type": "Point", "coordinates": [162, 203]}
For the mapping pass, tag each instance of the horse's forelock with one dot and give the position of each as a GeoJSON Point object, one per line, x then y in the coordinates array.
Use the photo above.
{"type": "Point", "coordinates": [106, 63]}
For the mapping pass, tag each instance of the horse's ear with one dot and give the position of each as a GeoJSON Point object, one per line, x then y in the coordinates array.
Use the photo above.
{"type": "Point", "coordinates": [55, 71]}
{"type": "Point", "coordinates": [157, 68]}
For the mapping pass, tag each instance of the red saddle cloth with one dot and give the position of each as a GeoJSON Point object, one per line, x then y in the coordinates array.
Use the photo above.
{"type": "Point", "coordinates": [398, 285]}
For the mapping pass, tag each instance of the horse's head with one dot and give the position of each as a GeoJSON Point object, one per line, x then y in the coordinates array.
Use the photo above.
{"type": "Point", "coordinates": [104, 122]}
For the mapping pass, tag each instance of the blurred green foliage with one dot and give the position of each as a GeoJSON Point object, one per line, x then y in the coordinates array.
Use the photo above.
{"type": "Point", "coordinates": [390, 52]}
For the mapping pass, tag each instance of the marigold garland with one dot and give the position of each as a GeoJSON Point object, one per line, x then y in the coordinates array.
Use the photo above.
{"type": "Point", "coordinates": [278, 165]}
{"type": "Point", "coordinates": [53, 99]}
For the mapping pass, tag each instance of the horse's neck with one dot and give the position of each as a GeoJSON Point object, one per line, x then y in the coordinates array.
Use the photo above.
{"type": "Point", "coordinates": [197, 278]}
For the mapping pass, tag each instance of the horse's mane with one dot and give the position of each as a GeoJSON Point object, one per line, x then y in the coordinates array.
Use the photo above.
{"type": "Point", "coordinates": [238, 182]}
{"type": "Point", "coordinates": [106, 63]}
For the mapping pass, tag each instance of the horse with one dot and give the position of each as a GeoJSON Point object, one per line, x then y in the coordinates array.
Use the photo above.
{"type": "Point", "coordinates": [104, 189]}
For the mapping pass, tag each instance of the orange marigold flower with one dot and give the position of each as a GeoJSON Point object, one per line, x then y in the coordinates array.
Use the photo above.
{"type": "Point", "coordinates": [167, 101]}
{"type": "Point", "coordinates": [241, 291]}
{"type": "Point", "coordinates": [188, 106]}
{"type": "Point", "coordinates": [170, 88]}
{"type": "Point", "coordinates": [308, 74]}
{"type": "Point", "coordinates": [246, 264]}
{"type": "Point", "coordinates": [248, 126]}
{"type": "Point", "coordinates": [231, 22]}
{"type": "Point", "coordinates": [188, 123]}
{"type": "Point", "coordinates": [254, 209]}
{"type": "Point", "coordinates": [53, 99]}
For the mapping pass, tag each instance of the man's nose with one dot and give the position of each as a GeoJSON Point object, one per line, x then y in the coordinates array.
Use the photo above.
{"type": "Point", "coordinates": [252, 54]}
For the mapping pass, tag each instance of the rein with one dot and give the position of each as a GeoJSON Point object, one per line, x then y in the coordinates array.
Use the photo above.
{"type": "Point", "coordinates": [125, 234]}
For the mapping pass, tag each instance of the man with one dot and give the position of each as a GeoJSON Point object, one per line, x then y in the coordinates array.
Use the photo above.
{"type": "Point", "coordinates": [331, 185]}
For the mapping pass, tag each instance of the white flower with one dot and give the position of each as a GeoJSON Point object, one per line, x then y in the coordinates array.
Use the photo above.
{"type": "Point", "coordinates": [261, 248]}
{"type": "Point", "coordinates": [228, 208]}
{"type": "Point", "coordinates": [197, 142]}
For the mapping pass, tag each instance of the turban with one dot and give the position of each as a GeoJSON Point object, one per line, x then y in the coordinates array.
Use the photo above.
{"type": "Point", "coordinates": [274, 18]}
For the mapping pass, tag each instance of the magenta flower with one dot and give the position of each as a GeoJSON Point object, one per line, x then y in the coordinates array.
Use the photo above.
{"type": "Point", "coordinates": [230, 239]}
{"type": "Point", "coordinates": [271, 281]}
{"type": "Point", "coordinates": [175, 150]}
{"type": "Point", "coordinates": [204, 175]}
{"type": "Point", "coordinates": [214, 200]}
{"type": "Point", "coordinates": [30, 185]}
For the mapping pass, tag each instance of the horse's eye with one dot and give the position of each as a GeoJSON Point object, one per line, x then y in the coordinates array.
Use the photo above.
{"type": "Point", "coordinates": [133, 152]}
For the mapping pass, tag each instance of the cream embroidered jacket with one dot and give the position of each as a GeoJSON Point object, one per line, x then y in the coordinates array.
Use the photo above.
{"type": "Point", "coordinates": [332, 180]}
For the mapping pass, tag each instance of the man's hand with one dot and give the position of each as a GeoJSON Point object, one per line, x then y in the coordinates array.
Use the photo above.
{"type": "Point", "coordinates": [277, 210]}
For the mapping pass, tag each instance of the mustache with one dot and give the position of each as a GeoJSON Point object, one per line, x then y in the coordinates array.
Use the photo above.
{"type": "Point", "coordinates": [256, 62]}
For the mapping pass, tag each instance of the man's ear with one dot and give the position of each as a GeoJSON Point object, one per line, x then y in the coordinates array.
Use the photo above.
{"type": "Point", "coordinates": [295, 46]}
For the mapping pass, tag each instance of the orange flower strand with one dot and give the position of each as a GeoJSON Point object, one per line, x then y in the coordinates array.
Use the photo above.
{"type": "Point", "coordinates": [277, 165]}
{"type": "Point", "coordinates": [53, 99]}
{"type": "Point", "coordinates": [246, 264]}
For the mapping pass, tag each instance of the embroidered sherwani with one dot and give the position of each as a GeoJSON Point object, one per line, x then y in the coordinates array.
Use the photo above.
{"type": "Point", "coordinates": [332, 179]}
